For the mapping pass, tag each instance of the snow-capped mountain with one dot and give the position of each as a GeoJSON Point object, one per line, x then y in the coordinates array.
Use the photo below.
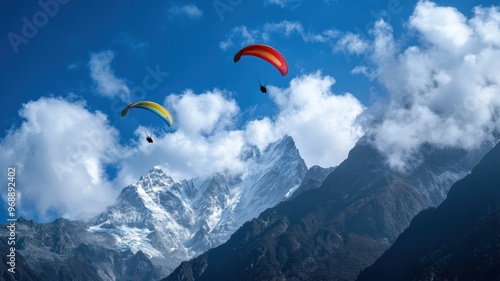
{"type": "Point", "coordinates": [171, 221]}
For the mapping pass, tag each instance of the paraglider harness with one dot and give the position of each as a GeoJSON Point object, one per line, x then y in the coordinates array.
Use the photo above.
{"type": "Point", "coordinates": [263, 89]}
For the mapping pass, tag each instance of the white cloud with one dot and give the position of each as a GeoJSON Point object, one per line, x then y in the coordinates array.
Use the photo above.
{"type": "Point", "coordinates": [189, 10]}
{"type": "Point", "coordinates": [446, 91]}
{"type": "Point", "coordinates": [107, 83]}
{"type": "Point", "coordinates": [61, 151]}
{"type": "Point", "coordinates": [260, 132]}
{"type": "Point", "coordinates": [363, 69]}
{"type": "Point", "coordinates": [444, 27]}
{"type": "Point", "coordinates": [486, 22]}
{"type": "Point", "coordinates": [353, 43]}
{"type": "Point", "coordinates": [204, 113]}
{"type": "Point", "coordinates": [322, 123]}
{"type": "Point", "coordinates": [242, 35]}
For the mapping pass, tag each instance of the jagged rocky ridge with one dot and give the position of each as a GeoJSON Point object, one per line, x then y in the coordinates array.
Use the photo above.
{"type": "Point", "coordinates": [459, 240]}
{"type": "Point", "coordinates": [333, 232]}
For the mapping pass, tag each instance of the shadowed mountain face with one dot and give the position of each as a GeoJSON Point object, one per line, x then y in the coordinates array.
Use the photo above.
{"type": "Point", "coordinates": [333, 232]}
{"type": "Point", "coordinates": [459, 240]}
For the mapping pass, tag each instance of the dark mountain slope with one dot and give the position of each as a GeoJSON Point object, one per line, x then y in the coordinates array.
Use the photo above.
{"type": "Point", "coordinates": [459, 240]}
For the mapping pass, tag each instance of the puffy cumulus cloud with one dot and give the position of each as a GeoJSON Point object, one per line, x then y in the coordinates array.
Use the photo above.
{"type": "Point", "coordinates": [61, 151]}
{"type": "Point", "coordinates": [189, 10]}
{"type": "Point", "coordinates": [322, 123]}
{"type": "Point", "coordinates": [107, 84]}
{"type": "Point", "coordinates": [444, 91]}
{"type": "Point", "coordinates": [204, 113]}
{"type": "Point", "coordinates": [486, 22]}
{"type": "Point", "coordinates": [242, 35]}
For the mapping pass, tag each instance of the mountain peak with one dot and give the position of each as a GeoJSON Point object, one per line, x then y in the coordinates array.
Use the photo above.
{"type": "Point", "coordinates": [156, 177]}
{"type": "Point", "coordinates": [284, 146]}
{"type": "Point", "coordinates": [286, 139]}
{"type": "Point", "coordinates": [156, 170]}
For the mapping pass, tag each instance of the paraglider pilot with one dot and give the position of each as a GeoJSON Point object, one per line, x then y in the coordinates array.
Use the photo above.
{"type": "Point", "coordinates": [263, 89]}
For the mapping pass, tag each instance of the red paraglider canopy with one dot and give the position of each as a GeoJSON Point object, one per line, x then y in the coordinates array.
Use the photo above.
{"type": "Point", "coordinates": [264, 52]}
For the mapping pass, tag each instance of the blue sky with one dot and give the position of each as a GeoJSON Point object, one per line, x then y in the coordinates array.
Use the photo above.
{"type": "Point", "coordinates": [69, 67]}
